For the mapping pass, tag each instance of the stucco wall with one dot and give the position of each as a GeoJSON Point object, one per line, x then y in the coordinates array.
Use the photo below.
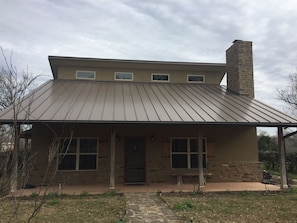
{"type": "Point", "coordinates": [232, 152]}
{"type": "Point", "coordinates": [139, 75]}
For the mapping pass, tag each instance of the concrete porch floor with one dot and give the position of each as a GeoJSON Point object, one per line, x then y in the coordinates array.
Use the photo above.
{"type": "Point", "coordinates": [158, 187]}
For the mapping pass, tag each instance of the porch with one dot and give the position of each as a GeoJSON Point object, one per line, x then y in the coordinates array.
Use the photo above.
{"type": "Point", "coordinates": [158, 187]}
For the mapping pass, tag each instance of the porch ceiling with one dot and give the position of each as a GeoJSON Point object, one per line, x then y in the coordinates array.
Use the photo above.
{"type": "Point", "coordinates": [130, 102]}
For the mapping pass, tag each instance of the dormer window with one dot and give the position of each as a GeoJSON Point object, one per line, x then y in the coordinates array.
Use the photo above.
{"type": "Point", "coordinates": [123, 76]}
{"type": "Point", "coordinates": [160, 77]}
{"type": "Point", "coordinates": [87, 75]}
{"type": "Point", "coordinates": [193, 78]}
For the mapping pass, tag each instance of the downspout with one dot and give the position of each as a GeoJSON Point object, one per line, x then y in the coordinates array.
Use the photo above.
{"type": "Point", "coordinates": [282, 158]}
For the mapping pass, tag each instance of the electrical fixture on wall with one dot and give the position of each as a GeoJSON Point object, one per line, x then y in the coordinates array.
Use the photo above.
{"type": "Point", "coordinates": [152, 138]}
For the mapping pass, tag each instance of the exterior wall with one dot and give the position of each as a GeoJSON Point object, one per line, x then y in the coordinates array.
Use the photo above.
{"type": "Point", "coordinates": [232, 152]}
{"type": "Point", "coordinates": [139, 75]}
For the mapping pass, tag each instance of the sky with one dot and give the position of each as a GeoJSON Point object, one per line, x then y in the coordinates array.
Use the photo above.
{"type": "Point", "coordinates": [165, 30]}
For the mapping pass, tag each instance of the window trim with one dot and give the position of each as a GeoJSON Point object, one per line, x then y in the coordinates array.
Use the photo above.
{"type": "Point", "coordinates": [85, 78]}
{"type": "Point", "coordinates": [122, 72]}
{"type": "Point", "coordinates": [152, 77]}
{"type": "Point", "coordinates": [188, 152]}
{"type": "Point", "coordinates": [195, 75]}
{"type": "Point", "coordinates": [77, 153]}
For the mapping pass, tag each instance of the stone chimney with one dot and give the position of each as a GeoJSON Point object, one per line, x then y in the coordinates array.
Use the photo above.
{"type": "Point", "coordinates": [239, 60]}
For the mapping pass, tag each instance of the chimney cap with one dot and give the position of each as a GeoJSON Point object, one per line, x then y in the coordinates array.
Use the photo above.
{"type": "Point", "coordinates": [237, 40]}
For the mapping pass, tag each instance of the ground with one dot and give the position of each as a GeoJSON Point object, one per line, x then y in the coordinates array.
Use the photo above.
{"type": "Point", "coordinates": [242, 206]}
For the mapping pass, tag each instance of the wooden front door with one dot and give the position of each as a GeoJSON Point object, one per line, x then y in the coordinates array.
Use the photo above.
{"type": "Point", "coordinates": [135, 161]}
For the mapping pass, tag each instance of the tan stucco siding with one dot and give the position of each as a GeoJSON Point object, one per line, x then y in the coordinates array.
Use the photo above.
{"type": "Point", "coordinates": [234, 143]}
{"type": "Point", "coordinates": [107, 74]}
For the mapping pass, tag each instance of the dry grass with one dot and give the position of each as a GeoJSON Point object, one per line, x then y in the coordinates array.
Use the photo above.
{"type": "Point", "coordinates": [79, 208]}
{"type": "Point", "coordinates": [209, 207]}
{"type": "Point", "coordinates": [234, 207]}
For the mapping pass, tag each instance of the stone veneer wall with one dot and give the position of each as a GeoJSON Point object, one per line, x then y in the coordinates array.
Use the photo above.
{"type": "Point", "coordinates": [235, 171]}
{"type": "Point", "coordinates": [239, 60]}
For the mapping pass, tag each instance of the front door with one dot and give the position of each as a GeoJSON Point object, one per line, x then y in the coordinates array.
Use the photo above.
{"type": "Point", "coordinates": [135, 161]}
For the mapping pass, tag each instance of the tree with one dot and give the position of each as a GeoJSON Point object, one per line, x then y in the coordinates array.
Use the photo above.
{"type": "Point", "coordinates": [268, 150]}
{"type": "Point", "coordinates": [289, 95]}
{"type": "Point", "coordinates": [14, 86]}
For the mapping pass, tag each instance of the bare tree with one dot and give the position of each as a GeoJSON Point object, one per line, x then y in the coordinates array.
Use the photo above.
{"type": "Point", "coordinates": [289, 94]}
{"type": "Point", "coordinates": [14, 85]}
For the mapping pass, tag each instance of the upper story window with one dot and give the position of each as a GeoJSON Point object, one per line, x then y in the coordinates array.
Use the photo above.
{"type": "Point", "coordinates": [160, 77]}
{"type": "Point", "coordinates": [84, 74]}
{"type": "Point", "coordinates": [193, 78]}
{"type": "Point", "coordinates": [123, 76]}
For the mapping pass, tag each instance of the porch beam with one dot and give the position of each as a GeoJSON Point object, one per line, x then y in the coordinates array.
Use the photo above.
{"type": "Point", "coordinates": [200, 163]}
{"type": "Point", "coordinates": [282, 159]}
{"type": "Point", "coordinates": [112, 158]}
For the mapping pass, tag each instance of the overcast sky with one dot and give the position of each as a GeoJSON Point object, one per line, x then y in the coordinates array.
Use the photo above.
{"type": "Point", "coordinates": [167, 30]}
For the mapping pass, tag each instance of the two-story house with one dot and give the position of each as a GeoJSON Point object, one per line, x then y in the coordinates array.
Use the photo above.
{"type": "Point", "coordinates": [140, 122]}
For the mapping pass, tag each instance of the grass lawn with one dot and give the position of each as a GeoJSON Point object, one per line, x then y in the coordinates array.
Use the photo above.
{"type": "Point", "coordinates": [80, 208]}
{"type": "Point", "coordinates": [199, 207]}
{"type": "Point", "coordinates": [234, 206]}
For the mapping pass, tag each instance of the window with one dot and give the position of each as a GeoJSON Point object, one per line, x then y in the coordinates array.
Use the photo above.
{"type": "Point", "coordinates": [124, 76]}
{"type": "Point", "coordinates": [184, 153]}
{"type": "Point", "coordinates": [80, 74]}
{"type": "Point", "coordinates": [78, 154]}
{"type": "Point", "coordinates": [160, 77]}
{"type": "Point", "coordinates": [195, 78]}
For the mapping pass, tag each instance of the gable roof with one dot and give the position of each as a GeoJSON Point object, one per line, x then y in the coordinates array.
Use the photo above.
{"type": "Point", "coordinates": [129, 102]}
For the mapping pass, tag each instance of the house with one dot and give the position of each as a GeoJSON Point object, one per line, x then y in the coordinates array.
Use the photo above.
{"type": "Point", "coordinates": [142, 122]}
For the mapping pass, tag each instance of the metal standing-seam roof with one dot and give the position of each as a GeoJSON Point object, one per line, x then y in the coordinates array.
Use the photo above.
{"type": "Point", "coordinates": [130, 102]}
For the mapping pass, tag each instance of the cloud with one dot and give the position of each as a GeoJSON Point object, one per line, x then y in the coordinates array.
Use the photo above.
{"type": "Point", "coordinates": [170, 30]}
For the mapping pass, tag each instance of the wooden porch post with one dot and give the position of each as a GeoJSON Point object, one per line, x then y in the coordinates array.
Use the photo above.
{"type": "Point", "coordinates": [200, 163]}
{"type": "Point", "coordinates": [112, 158]}
{"type": "Point", "coordinates": [282, 159]}
{"type": "Point", "coordinates": [15, 164]}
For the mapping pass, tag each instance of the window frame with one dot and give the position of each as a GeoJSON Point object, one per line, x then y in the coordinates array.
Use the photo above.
{"type": "Point", "coordinates": [189, 152]}
{"type": "Point", "coordinates": [77, 153]}
{"type": "Point", "coordinates": [123, 79]}
{"type": "Point", "coordinates": [152, 77]}
{"type": "Point", "coordinates": [195, 75]}
{"type": "Point", "coordinates": [85, 78]}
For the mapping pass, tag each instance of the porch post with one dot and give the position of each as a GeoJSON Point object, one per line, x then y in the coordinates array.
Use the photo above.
{"type": "Point", "coordinates": [112, 158]}
{"type": "Point", "coordinates": [200, 163]}
{"type": "Point", "coordinates": [15, 163]}
{"type": "Point", "coordinates": [282, 159]}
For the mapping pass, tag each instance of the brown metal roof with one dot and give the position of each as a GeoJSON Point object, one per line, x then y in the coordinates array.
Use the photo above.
{"type": "Point", "coordinates": [130, 102]}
